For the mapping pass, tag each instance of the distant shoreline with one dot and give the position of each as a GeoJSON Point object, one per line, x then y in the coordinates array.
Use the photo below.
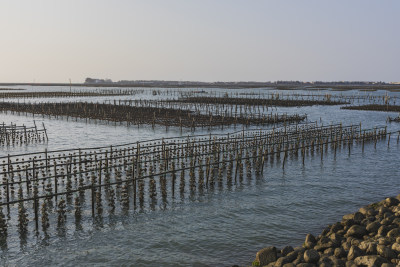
{"type": "Point", "coordinates": [227, 85]}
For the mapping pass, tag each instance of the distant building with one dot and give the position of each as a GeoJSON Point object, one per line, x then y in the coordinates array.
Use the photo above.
{"type": "Point", "coordinates": [91, 80]}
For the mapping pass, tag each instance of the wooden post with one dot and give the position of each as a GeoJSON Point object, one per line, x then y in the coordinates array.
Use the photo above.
{"type": "Point", "coordinates": [47, 163]}
{"type": "Point", "coordinates": [45, 131]}
{"type": "Point", "coordinates": [134, 184]}
{"type": "Point", "coordinates": [8, 185]}
{"type": "Point", "coordinates": [36, 131]}
{"type": "Point", "coordinates": [92, 189]}
{"type": "Point", "coordinates": [55, 179]}
{"type": "Point", "coordinates": [35, 205]}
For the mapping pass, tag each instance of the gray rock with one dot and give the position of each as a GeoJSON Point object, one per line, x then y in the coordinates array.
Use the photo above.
{"type": "Point", "coordinates": [370, 260]}
{"type": "Point", "coordinates": [371, 250]}
{"type": "Point", "coordinates": [266, 255]}
{"type": "Point", "coordinates": [354, 252]}
{"type": "Point", "coordinates": [310, 238]}
{"type": "Point", "coordinates": [339, 253]}
{"type": "Point", "coordinates": [319, 248]}
{"type": "Point", "coordinates": [382, 211]}
{"type": "Point", "coordinates": [282, 261]}
{"type": "Point", "coordinates": [336, 238]}
{"type": "Point", "coordinates": [383, 230]}
{"type": "Point", "coordinates": [355, 242]}
{"type": "Point", "coordinates": [386, 252]}
{"type": "Point", "coordinates": [350, 264]}
{"type": "Point", "coordinates": [388, 265]}
{"type": "Point", "coordinates": [300, 257]}
{"type": "Point", "coordinates": [286, 250]}
{"type": "Point", "coordinates": [373, 227]}
{"type": "Point", "coordinates": [308, 245]}
{"type": "Point", "coordinates": [311, 256]}
{"type": "Point", "coordinates": [394, 233]}
{"type": "Point", "coordinates": [293, 255]}
{"type": "Point", "coordinates": [329, 251]}
{"type": "Point", "coordinates": [336, 227]}
{"type": "Point", "coordinates": [396, 247]}
{"type": "Point", "coordinates": [357, 231]}
{"type": "Point", "coordinates": [396, 221]}
{"type": "Point", "coordinates": [388, 214]}
{"type": "Point", "coordinates": [346, 246]}
{"type": "Point", "coordinates": [289, 265]}
{"type": "Point", "coordinates": [305, 265]}
{"type": "Point", "coordinates": [323, 240]}
{"type": "Point", "coordinates": [287, 259]}
{"type": "Point", "coordinates": [383, 241]}
{"type": "Point", "coordinates": [325, 264]}
{"type": "Point", "coordinates": [348, 216]}
{"type": "Point", "coordinates": [337, 262]}
{"type": "Point", "coordinates": [325, 231]}
{"type": "Point", "coordinates": [364, 245]}
{"type": "Point", "coordinates": [391, 201]}
{"type": "Point", "coordinates": [365, 210]}
{"type": "Point", "coordinates": [387, 221]}
{"type": "Point", "coordinates": [325, 261]}
{"type": "Point", "coordinates": [372, 212]}
{"type": "Point", "coordinates": [347, 223]}
{"type": "Point", "coordinates": [358, 217]}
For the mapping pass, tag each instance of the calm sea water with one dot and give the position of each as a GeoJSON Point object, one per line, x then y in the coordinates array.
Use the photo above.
{"type": "Point", "coordinates": [219, 227]}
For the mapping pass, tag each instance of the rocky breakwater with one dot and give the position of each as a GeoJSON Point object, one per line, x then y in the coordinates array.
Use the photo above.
{"type": "Point", "coordinates": [369, 237]}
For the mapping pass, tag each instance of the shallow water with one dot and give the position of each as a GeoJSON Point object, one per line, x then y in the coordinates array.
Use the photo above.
{"type": "Point", "coordinates": [219, 227]}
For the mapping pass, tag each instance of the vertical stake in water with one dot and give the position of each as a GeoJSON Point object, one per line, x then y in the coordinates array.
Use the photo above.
{"type": "Point", "coordinates": [134, 184]}
{"type": "Point", "coordinates": [35, 205]}
{"type": "Point", "coordinates": [8, 185]}
{"type": "Point", "coordinates": [45, 131]}
{"type": "Point", "coordinates": [92, 200]}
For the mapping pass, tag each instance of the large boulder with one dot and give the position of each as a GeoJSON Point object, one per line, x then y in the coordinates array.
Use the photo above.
{"type": "Point", "coordinates": [336, 227]}
{"type": "Point", "coordinates": [305, 265]}
{"type": "Point", "coordinates": [354, 252]}
{"type": "Point", "coordinates": [383, 230]}
{"type": "Point", "coordinates": [310, 241]}
{"type": "Point", "coordinates": [394, 233]}
{"type": "Point", "coordinates": [286, 250]}
{"type": "Point", "coordinates": [339, 253]}
{"type": "Point", "coordinates": [382, 210]}
{"type": "Point", "coordinates": [358, 217]}
{"type": "Point", "coordinates": [371, 250]}
{"type": "Point", "coordinates": [311, 256]}
{"type": "Point", "coordinates": [370, 260]}
{"type": "Point", "coordinates": [337, 262]}
{"type": "Point", "coordinates": [396, 247]}
{"type": "Point", "coordinates": [283, 261]}
{"type": "Point", "coordinates": [348, 216]}
{"type": "Point", "coordinates": [373, 227]}
{"type": "Point", "coordinates": [310, 238]}
{"type": "Point", "coordinates": [391, 201]}
{"type": "Point", "coordinates": [386, 252]}
{"type": "Point", "coordinates": [288, 258]}
{"type": "Point", "coordinates": [356, 231]}
{"type": "Point", "coordinates": [266, 255]}
{"type": "Point", "coordinates": [365, 210]}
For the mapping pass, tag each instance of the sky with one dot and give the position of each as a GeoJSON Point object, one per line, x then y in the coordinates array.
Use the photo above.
{"type": "Point", "coordinates": [203, 40]}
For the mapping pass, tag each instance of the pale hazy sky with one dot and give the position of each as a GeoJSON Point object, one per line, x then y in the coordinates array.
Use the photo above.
{"type": "Point", "coordinates": [203, 40]}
